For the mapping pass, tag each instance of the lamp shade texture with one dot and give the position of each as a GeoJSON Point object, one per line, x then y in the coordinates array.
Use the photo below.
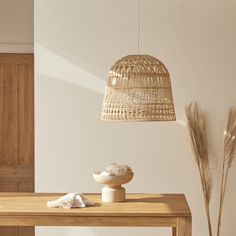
{"type": "Point", "coordinates": [138, 88]}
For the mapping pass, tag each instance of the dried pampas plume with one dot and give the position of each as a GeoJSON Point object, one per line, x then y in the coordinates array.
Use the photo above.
{"type": "Point", "coordinates": [229, 155]}
{"type": "Point", "coordinates": [196, 127]}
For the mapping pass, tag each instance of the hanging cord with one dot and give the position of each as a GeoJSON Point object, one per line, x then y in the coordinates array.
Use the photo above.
{"type": "Point", "coordinates": [138, 26]}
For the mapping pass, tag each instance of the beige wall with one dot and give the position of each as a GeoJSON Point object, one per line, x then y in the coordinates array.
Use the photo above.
{"type": "Point", "coordinates": [76, 42]}
{"type": "Point", "coordinates": [16, 26]}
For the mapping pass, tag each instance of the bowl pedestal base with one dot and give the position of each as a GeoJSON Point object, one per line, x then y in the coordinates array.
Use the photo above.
{"type": "Point", "coordinates": [113, 194]}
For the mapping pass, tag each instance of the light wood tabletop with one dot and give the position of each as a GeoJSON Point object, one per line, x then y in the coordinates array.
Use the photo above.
{"type": "Point", "coordinates": [140, 210]}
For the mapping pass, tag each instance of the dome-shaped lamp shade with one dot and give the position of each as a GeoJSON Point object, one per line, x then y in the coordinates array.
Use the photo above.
{"type": "Point", "coordinates": [138, 88]}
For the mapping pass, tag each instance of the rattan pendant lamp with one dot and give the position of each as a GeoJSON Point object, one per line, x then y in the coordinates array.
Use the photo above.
{"type": "Point", "coordinates": [138, 88]}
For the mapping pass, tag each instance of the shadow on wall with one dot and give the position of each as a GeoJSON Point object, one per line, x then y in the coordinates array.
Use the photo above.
{"type": "Point", "coordinates": [54, 66]}
{"type": "Point", "coordinates": [97, 231]}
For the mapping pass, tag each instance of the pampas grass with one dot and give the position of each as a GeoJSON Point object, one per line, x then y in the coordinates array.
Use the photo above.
{"type": "Point", "coordinates": [198, 142]}
{"type": "Point", "coordinates": [196, 127]}
{"type": "Point", "coordinates": [229, 155]}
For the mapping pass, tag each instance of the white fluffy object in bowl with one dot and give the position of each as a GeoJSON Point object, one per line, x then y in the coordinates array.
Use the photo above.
{"type": "Point", "coordinates": [116, 169]}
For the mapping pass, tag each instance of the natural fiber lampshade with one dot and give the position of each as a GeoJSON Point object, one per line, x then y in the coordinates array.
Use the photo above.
{"type": "Point", "coordinates": [138, 88]}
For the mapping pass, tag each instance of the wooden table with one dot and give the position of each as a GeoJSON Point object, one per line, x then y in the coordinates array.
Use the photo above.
{"type": "Point", "coordinates": [140, 210]}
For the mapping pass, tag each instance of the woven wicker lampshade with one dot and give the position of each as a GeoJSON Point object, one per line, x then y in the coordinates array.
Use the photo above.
{"type": "Point", "coordinates": [138, 88]}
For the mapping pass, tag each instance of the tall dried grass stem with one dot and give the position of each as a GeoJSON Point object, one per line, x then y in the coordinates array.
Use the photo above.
{"type": "Point", "coordinates": [229, 151]}
{"type": "Point", "coordinates": [196, 127]}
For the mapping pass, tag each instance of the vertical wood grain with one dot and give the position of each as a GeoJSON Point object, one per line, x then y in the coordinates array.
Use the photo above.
{"type": "Point", "coordinates": [16, 129]}
{"type": "Point", "coordinates": [174, 231]}
{"type": "Point", "coordinates": [25, 119]}
{"type": "Point", "coordinates": [184, 226]}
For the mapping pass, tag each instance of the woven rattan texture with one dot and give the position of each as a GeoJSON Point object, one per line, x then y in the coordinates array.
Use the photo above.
{"type": "Point", "coordinates": [138, 88]}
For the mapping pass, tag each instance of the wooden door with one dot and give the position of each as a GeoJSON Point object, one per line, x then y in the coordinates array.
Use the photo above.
{"type": "Point", "coordinates": [16, 129]}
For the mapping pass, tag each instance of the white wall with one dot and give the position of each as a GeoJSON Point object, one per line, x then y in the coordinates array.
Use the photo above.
{"type": "Point", "coordinates": [16, 26]}
{"type": "Point", "coordinates": [76, 42]}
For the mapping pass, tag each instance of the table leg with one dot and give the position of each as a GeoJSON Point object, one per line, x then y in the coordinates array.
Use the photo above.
{"type": "Point", "coordinates": [184, 226]}
{"type": "Point", "coordinates": [173, 231]}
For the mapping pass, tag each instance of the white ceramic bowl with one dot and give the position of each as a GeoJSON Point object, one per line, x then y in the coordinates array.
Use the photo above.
{"type": "Point", "coordinates": [113, 191]}
{"type": "Point", "coordinates": [114, 180]}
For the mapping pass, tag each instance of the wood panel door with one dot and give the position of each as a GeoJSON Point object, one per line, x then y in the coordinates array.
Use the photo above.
{"type": "Point", "coordinates": [16, 129]}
